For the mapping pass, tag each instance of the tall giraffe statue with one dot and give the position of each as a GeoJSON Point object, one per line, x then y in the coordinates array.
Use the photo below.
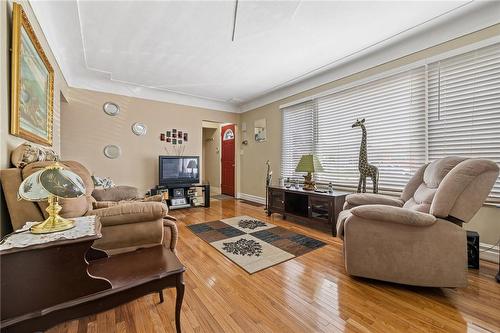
{"type": "Point", "coordinates": [365, 169]}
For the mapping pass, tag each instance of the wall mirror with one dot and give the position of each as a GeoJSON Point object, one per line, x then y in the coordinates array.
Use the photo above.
{"type": "Point", "coordinates": [260, 130]}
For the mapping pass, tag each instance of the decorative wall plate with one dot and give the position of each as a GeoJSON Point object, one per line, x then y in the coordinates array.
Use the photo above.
{"type": "Point", "coordinates": [111, 109]}
{"type": "Point", "coordinates": [139, 129]}
{"type": "Point", "coordinates": [112, 151]}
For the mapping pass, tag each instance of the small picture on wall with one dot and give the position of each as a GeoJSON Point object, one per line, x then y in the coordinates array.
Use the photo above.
{"type": "Point", "coordinates": [174, 141]}
{"type": "Point", "coordinates": [174, 131]}
{"type": "Point", "coordinates": [162, 136]}
{"type": "Point", "coordinates": [174, 135]}
{"type": "Point", "coordinates": [179, 133]}
{"type": "Point", "coordinates": [185, 136]}
{"type": "Point", "coordinates": [168, 134]}
{"type": "Point", "coordinates": [179, 141]}
{"type": "Point", "coordinates": [169, 140]}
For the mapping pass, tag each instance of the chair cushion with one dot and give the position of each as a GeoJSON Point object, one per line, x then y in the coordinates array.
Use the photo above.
{"type": "Point", "coordinates": [433, 175]}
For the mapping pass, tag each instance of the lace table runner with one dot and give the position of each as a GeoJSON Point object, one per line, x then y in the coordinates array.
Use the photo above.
{"type": "Point", "coordinates": [84, 226]}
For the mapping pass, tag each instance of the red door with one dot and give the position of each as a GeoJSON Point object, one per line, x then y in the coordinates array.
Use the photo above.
{"type": "Point", "coordinates": [227, 160]}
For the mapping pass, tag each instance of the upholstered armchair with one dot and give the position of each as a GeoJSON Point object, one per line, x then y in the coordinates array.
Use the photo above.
{"type": "Point", "coordinates": [127, 222]}
{"type": "Point", "coordinates": [417, 239]}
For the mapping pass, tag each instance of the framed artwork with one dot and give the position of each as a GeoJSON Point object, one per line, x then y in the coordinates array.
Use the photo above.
{"type": "Point", "coordinates": [174, 141]}
{"type": "Point", "coordinates": [32, 83]}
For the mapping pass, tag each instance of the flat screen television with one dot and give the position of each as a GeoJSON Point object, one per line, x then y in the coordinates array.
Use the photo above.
{"type": "Point", "coordinates": [179, 170]}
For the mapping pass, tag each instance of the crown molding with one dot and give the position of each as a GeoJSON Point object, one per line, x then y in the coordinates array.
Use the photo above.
{"type": "Point", "coordinates": [137, 91]}
{"type": "Point", "coordinates": [464, 20]}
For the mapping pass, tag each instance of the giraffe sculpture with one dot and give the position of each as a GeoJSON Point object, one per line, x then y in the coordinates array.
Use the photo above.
{"type": "Point", "coordinates": [365, 169]}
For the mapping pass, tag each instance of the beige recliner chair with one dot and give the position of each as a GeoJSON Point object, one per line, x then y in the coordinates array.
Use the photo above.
{"type": "Point", "coordinates": [126, 225]}
{"type": "Point", "coordinates": [417, 239]}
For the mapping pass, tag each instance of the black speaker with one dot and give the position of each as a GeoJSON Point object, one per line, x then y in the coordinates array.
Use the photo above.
{"type": "Point", "coordinates": [473, 249]}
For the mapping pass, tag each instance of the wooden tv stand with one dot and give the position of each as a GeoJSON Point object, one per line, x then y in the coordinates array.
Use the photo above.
{"type": "Point", "coordinates": [308, 206]}
{"type": "Point", "coordinates": [47, 284]}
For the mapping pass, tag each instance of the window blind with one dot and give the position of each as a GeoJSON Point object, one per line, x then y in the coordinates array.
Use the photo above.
{"type": "Point", "coordinates": [464, 107]}
{"type": "Point", "coordinates": [395, 123]}
{"type": "Point", "coordinates": [450, 107]}
{"type": "Point", "coordinates": [297, 137]}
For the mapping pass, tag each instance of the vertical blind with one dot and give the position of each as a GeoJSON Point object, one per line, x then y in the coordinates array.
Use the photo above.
{"type": "Point", "coordinates": [451, 107]}
{"type": "Point", "coordinates": [464, 107]}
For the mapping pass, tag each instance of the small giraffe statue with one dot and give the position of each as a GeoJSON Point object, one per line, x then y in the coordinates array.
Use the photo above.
{"type": "Point", "coordinates": [365, 169]}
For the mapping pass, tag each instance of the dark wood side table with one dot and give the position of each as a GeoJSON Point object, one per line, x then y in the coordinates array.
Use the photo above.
{"type": "Point", "coordinates": [308, 206]}
{"type": "Point", "coordinates": [47, 284]}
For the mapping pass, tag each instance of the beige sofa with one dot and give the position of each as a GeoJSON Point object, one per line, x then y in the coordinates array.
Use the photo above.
{"type": "Point", "coordinates": [417, 239]}
{"type": "Point", "coordinates": [127, 224]}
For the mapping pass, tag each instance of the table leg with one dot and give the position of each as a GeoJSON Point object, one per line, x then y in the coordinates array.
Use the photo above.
{"type": "Point", "coordinates": [160, 293]}
{"type": "Point", "coordinates": [178, 302]}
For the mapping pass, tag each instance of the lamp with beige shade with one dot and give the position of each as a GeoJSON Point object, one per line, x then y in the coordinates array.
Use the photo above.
{"type": "Point", "coordinates": [310, 164]}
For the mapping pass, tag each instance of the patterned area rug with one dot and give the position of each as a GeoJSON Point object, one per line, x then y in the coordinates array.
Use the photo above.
{"type": "Point", "coordinates": [252, 244]}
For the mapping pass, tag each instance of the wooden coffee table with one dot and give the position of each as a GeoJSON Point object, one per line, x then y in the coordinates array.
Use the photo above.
{"type": "Point", "coordinates": [47, 284]}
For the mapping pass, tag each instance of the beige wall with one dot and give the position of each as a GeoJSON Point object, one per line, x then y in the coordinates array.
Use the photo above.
{"type": "Point", "coordinates": [211, 157]}
{"type": "Point", "coordinates": [7, 141]}
{"type": "Point", "coordinates": [86, 130]}
{"type": "Point", "coordinates": [255, 154]}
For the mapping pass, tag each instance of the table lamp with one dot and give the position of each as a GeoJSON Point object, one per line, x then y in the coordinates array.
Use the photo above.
{"type": "Point", "coordinates": [309, 163]}
{"type": "Point", "coordinates": [52, 183]}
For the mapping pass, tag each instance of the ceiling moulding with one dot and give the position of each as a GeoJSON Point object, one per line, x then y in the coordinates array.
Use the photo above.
{"type": "Point", "coordinates": [132, 90]}
{"type": "Point", "coordinates": [465, 20]}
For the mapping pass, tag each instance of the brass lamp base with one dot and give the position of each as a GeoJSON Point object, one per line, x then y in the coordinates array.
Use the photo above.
{"type": "Point", "coordinates": [309, 184]}
{"type": "Point", "coordinates": [54, 222]}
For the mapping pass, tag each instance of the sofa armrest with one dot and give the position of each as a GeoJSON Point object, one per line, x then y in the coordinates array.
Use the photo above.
{"type": "Point", "coordinates": [359, 199]}
{"type": "Point", "coordinates": [171, 234]}
{"type": "Point", "coordinates": [130, 212]}
{"type": "Point", "coordinates": [117, 193]}
{"type": "Point", "coordinates": [394, 215]}
{"type": "Point", "coordinates": [103, 204]}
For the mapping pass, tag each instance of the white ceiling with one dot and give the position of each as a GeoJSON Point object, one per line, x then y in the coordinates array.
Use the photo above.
{"type": "Point", "coordinates": [182, 51]}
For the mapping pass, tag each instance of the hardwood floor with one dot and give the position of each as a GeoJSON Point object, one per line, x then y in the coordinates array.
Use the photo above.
{"type": "Point", "coordinates": [311, 293]}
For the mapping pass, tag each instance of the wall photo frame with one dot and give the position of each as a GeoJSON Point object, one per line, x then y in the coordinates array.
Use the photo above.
{"type": "Point", "coordinates": [32, 86]}
{"type": "Point", "coordinates": [260, 130]}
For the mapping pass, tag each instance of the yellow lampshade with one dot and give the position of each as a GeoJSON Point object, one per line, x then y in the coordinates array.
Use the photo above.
{"type": "Point", "coordinates": [309, 163]}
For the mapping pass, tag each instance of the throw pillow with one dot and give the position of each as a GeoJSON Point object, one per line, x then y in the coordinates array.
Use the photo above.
{"type": "Point", "coordinates": [102, 182]}
{"type": "Point", "coordinates": [28, 153]}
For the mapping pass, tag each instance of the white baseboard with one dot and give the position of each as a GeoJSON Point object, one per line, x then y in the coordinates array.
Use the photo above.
{"type": "Point", "coordinates": [252, 198]}
{"type": "Point", "coordinates": [489, 255]}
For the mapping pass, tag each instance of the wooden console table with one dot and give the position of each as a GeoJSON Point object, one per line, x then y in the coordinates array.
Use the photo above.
{"type": "Point", "coordinates": [309, 206]}
{"type": "Point", "coordinates": [50, 283]}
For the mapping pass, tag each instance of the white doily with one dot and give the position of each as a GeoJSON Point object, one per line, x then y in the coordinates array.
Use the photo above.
{"type": "Point", "coordinates": [84, 226]}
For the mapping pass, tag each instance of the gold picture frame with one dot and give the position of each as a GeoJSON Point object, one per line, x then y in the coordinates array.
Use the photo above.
{"type": "Point", "coordinates": [32, 85]}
